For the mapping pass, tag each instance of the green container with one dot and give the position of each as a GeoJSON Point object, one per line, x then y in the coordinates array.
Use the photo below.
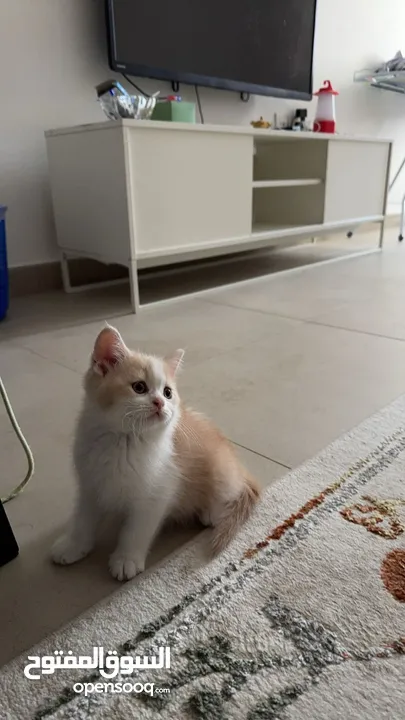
{"type": "Point", "coordinates": [174, 111]}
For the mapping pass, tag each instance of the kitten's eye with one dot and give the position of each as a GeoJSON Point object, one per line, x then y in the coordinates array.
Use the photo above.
{"type": "Point", "coordinates": [140, 387]}
{"type": "Point", "coordinates": [167, 392]}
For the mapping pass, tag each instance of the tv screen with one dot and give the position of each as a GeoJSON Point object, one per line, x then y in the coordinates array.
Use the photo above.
{"type": "Point", "coordinates": [257, 46]}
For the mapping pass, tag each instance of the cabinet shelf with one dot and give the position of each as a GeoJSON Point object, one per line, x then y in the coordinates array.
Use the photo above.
{"type": "Point", "coordinates": [294, 182]}
{"type": "Point", "coordinates": [273, 229]}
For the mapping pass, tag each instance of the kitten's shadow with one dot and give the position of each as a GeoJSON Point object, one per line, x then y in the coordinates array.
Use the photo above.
{"type": "Point", "coordinates": [170, 538]}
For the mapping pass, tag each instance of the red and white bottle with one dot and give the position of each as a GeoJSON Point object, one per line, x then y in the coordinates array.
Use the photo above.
{"type": "Point", "coordinates": [325, 120]}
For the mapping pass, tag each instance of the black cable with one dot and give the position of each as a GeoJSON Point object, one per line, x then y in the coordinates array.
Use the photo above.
{"type": "Point", "coordinates": [131, 82]}
{"type": "Point", "coordinates": [197, 94]}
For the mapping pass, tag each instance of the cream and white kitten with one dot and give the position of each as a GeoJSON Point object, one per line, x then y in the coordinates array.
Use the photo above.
{"type": "Point", "coordinates": [139, 453]}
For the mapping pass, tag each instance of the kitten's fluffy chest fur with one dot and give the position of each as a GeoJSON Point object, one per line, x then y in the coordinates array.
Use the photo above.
{"type": "Point", "coordinates": [121, 468]}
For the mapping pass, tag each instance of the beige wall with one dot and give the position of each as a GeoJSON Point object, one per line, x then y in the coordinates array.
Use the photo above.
{"type": "Point", "coordinates": [52, 54]}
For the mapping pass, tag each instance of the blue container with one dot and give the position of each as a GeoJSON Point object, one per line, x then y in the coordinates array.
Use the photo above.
{"type": "Point", "coordinates": [4, 299]}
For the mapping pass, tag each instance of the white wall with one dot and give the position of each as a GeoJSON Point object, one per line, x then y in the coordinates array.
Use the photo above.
{"type": "Point", "coordinates": [52, 54]}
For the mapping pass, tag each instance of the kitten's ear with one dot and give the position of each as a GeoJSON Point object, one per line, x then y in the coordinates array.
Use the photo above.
{"type": "Point", "coordinates": [175, 361]}
{"type": "Point", "coordinates": [109, 350]}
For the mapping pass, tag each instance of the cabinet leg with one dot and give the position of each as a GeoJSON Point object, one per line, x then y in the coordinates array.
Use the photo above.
{"type": "Point", "coordinates": [65, 273]}
{"type": "Point", "coordinates": [402, 221]}
{"type": "Point", "coordinates": [381, 239]}
{"type": "Point", "coordinates": [133, 279]}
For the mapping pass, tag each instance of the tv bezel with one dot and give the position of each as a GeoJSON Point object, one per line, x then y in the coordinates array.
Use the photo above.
{"type": "Point", "coordinates": [148, 71]}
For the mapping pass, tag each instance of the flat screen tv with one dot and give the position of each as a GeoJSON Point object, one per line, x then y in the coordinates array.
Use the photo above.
{"type": "Point", "coordinates": [249, 46]}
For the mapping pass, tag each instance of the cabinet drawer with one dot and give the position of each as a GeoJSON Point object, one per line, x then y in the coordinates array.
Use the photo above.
{"type": "Point", "coordinates": [190, 188]}
{"type": "Point", "coordinates": [356, 178]}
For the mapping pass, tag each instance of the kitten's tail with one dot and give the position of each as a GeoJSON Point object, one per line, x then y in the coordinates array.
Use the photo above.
{"type": "Point", "coordinates": [235, 515]}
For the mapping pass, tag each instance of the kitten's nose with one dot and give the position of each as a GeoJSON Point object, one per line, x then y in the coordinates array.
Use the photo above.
{"type": "Point", "coordinates": [158, 403]}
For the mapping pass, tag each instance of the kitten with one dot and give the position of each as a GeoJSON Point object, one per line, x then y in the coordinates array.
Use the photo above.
{"type": "Point", "coordinates": [139, 453]}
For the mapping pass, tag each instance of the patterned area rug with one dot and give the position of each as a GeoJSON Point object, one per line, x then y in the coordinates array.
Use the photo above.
{"type": "Point", "coordinates": [302, 618]}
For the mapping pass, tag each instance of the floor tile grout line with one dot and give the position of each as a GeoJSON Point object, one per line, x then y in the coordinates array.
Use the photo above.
{"type": "Point", "coordinates": [19, 338]}
{"type": "Point", "coordinates": [239, 284]}
{"type": "Point", "coordinates": [266, 457]}
{"type": "Point", "coordinates": [75, 372]}
{"type": "Point", "coordinates": [48, 359]}
{"type": "Point", "coordinates": [235, 348]}
{"type": "Point", "coordinates": [305, 321]}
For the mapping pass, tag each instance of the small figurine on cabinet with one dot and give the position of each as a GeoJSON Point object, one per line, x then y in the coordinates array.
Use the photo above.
{"type": "Point", "coordinates": [261, 123]}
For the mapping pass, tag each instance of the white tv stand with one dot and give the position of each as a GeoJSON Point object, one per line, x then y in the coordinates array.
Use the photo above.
{"type": "Point", "coordinates": [147, 193]}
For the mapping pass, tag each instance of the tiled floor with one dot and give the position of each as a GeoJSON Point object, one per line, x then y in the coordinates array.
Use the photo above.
{"type": "Point", "coordinates": [283, 364]}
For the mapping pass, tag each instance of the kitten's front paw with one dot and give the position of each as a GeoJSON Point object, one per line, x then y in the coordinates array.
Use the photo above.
{"type": "Point", "coordinates": [67, 550]}
{"type": "Point", "coordinates": [125, 568]}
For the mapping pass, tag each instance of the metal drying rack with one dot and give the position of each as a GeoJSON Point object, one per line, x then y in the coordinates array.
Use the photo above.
{"type": "Point", "coordinates": [394, 81]}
